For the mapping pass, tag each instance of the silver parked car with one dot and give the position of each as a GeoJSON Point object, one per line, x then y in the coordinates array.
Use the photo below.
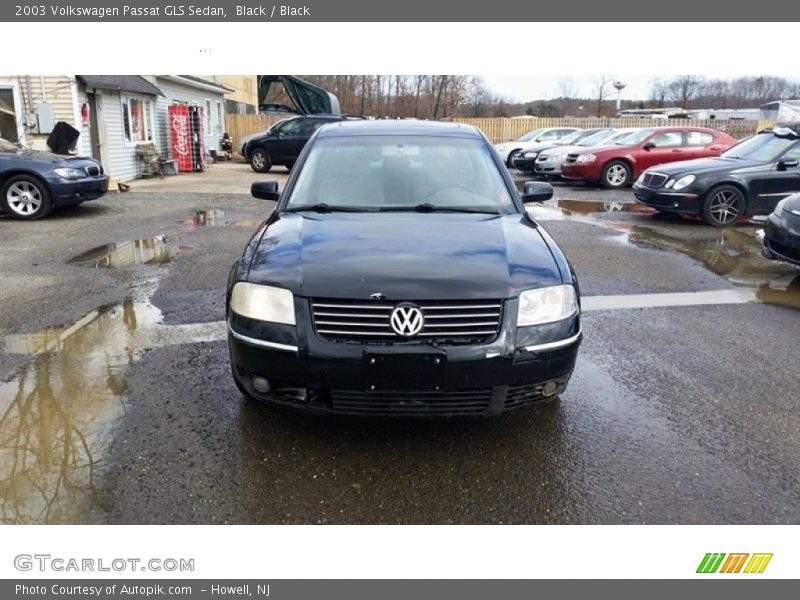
{"type": "Point", "coordinates": [548, 163]}
{"type": "Point", "coordinates": [507, 150]}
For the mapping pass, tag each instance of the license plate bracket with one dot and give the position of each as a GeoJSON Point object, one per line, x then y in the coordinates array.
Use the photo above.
{"type": "Point", "coordinates": [420, 372]}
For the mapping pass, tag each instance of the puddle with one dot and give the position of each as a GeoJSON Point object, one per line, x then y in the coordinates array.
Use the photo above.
{"type": "Point", "coordinates": [205, 217]}
{"type": "Point", "coordinates": [133, 253]}
{"type": "Point", "coordinates": [58, 412]}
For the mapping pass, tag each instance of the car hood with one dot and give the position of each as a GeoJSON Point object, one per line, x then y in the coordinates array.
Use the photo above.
{"type": "Point", "coordinates": [706, 166]}
{"type": "Point", "coordinates": [539, 146]}
{"type": "Point", "coordinates": [404, 256]}
{"type": "Point", "coordinates": [53, 159]}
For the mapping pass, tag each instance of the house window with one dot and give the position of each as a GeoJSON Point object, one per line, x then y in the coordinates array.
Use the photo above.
{"type": "Point", "coordinates": [220, 118]}
{"type": "Point", "coordinates": [137, 115]}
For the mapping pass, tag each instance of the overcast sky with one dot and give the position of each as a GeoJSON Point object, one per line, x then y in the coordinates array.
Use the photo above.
{"type": "Point", "coordinates": [521, 88]}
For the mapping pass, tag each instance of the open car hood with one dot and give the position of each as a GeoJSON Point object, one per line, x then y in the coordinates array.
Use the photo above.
{"type": "Point", "coordinates": [307, 97]}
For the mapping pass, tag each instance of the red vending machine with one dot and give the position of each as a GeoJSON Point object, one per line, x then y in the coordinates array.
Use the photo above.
{"type": "Point", "coordinates": [186, 137]}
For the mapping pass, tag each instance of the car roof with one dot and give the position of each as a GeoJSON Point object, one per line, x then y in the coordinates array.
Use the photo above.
{"type": "Point", "coordinates": [397, 127]}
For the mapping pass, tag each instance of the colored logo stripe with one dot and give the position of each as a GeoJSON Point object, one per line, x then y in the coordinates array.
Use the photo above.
{"type": "Point", "coordinates": [758, 563]}
{"type": "Point", "coordinates": [733, 564]}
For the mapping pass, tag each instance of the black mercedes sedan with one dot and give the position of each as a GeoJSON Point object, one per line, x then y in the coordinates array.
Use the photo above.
{"type": "Point", "coordinates": [782, 231]}
{"type": "Point", "coordinates": [400, 274]}
{"type": "Point", "coordinates": [749, 178]}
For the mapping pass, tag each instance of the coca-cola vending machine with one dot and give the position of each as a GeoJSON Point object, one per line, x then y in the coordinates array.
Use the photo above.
{"type": "Point", "coordinates": [186, 137]}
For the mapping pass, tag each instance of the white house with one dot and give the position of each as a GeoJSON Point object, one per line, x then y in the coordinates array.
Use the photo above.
{"type": "Point", "coordinates": [786, 110]}
{"type": "Point", "coordinates": [114, 113]}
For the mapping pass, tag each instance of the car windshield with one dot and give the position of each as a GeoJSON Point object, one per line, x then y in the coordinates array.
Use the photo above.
{"type": "Point", "coordinates": [595, 138]}
{"type": "Point", "coordinates": [635, 137]}
{"type": "Point", "coordinates": [386, 172]}
{"type": "Point", "coordinates": [573, 137]}
{"type": "Point", "coordinates": [764, 147]}
{"type": "Point", "coordinates": [529, 136]}
{"type": "Point", "coordinates": [7, 146]}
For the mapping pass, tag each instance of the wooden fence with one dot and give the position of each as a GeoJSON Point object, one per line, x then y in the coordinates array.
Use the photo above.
{"type": "Point", "coordinates": [239, 126]}
{"type": "Point", "coordinates": [502, 129]}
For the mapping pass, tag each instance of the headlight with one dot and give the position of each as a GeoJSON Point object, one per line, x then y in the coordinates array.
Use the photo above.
{"type": "Point", "coordinates": [586, 158]}
{"type": "Point", "coordinates": [263, 303]}
{"type": "Point", "coordinates": [546, 305]}
{"type": "Point", "coordinates": [69, 173]}
{"type": "Point", "coordinates": [779, 207]}
{"type": "Point", "coordinates": [531, 154]}
{"type": "Point", "coordinates": [684, 182]}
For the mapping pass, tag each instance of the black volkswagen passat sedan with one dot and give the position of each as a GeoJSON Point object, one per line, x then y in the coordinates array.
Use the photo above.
{"type": "Point", "coordinates": [782, 231]}
{"type": "Point", "coordinates": [400, 275]}
{"type": "Point", "coordinates": [748, 179]}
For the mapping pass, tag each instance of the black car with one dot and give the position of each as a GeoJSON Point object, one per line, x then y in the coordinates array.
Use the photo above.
{"type": "Point", "coordinates": [400, 274]}
{"type": "Point", "coordinates": [747, 179]}
{"type": "Point", "coordinates": [282, 143]}
{"type": "Point", "coordinates": [33, 183]}
{"type": "Point", "coordinates": [782, 231]}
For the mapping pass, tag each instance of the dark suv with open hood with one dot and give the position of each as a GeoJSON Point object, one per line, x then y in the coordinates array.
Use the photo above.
{"type": "Point", "coordinates": [748, 179]}
{"type": "Point", "coordinates": [400, 274]}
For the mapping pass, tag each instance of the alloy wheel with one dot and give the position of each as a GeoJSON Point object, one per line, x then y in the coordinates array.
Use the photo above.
{"type": "Point", "coordinates": [24, 198]}
{"type": "Point", "coordinates": [258, 160]}
{"type": "Point", "coordinates": [616, 175]}
{"type": "Point", "coordinates": [725, 207]}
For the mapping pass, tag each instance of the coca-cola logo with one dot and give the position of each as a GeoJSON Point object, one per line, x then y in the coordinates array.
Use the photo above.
{"type": "Point", "coordinates": [180, 127]}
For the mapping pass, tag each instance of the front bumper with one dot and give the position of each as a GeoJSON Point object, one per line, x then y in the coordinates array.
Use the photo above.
{"type": "Point", "coordinates": [525, 164]}
{"type": "Point", "coordinates": [782, 238]}
{"type": "Point", "coordinates": [687, 202]}
{"type": "Point", "coordinates": [581, 171]}
{"type": "Point", "coordinates": [328, 377]}
{"type": "Point", "coordinates": [64, 192]}
{"type": "Point", "coordinates": [550, 167]}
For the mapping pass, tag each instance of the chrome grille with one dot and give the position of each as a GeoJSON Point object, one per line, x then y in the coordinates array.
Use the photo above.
{"type": "Point", "coordinates": [654, 179]}
{"type": "Point", "coordinates": [453, 321]}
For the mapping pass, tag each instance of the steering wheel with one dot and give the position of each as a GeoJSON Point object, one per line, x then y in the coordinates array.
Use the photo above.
{"type": "Point", "coordinates": [444, 186]}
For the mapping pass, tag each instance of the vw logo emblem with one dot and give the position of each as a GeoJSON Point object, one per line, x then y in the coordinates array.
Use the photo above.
{"type": "Point", "coordinates": [407, 320]}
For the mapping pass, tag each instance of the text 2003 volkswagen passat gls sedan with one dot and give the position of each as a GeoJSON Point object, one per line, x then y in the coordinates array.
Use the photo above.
{"type": "Point", "coordinates": [400, 275]}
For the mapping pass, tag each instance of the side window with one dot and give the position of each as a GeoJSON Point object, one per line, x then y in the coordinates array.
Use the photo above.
{"type": "Point", "coordinates": [291, 128]}
{"type": "Point", "coordinates": [563, 132]}
{"type": "Point", "coordinates": [548, 136]}
{"type": "Point", "coordinates": [667, 139]}
{"type": "Point", "coordinates": [698, 138]}
{"type": "Point", "coordinates": [310, 126]}
{"type": "Point", "coordinates": [793, 153]}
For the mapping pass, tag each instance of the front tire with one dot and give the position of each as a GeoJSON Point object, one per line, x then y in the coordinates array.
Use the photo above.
{"type": "Point", "coordinates": [511, 156]}
{"type": "Point", "coordinates": [259, 161]}
{"type": "Point", "coordinates": [26, 198]}
{"type": "Point", "coordinates": [724, 206]}
{"type": "Point", "coordinates": [616, 175]}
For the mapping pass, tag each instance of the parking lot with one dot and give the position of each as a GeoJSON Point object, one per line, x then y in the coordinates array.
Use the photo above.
{"type": "Point", "coordinates": [117, 404]}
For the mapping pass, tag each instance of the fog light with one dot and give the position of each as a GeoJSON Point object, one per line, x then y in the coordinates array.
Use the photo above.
{"type": "Point", "coordinates": [675, 204]}
{"type": "Point", "coordinates": [261, 385]}
{"type": "Point", "coordinates": [550, 388]}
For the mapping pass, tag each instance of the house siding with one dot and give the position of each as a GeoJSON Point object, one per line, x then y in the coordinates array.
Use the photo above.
{"type": "Point", "coordinates": [176, 92]}
{"type": "Point", "coordinates": [120, 154]}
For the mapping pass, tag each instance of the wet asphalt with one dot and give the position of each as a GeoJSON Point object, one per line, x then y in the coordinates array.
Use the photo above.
{"type": "Point", "coordinates": [116, 403]}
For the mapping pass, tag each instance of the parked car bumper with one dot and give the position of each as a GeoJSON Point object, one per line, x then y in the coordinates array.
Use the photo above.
{"type": "Point", "coordinates": [305, 371]}
{"type": "Point", "coordinates": [581, 171]}
{"type": "Point", "coordinates": [64, 192]}
{"type": "Point", "coordinates": [682, 202]}
{"type": "Point", "coordinates": [782, 238]}
{"type": "Point", "coordinates": [548, 167]}
{"type": "Point", "coordinates": [522, 163]}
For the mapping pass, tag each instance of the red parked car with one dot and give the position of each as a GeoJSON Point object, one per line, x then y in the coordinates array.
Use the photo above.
{"type": "Point", "coordinates": [617, 165]}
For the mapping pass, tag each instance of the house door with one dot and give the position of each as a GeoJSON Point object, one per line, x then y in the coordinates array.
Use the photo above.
{"type": "Point", "coordinates": [94, 131]}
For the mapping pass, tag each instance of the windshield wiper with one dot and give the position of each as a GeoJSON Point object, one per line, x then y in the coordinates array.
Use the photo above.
{"type": "Point", "coordinates": [322, 207]}
{"type": "Point", "coordinates": [427, 207]}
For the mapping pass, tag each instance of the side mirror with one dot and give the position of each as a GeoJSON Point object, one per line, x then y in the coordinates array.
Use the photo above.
{"type": "Point", "coordinates": [649, 146]}
{"type": "Point", "coordinates": [787, 163]}
{"type": "Point", "coordinates": [265, 190]}
{"type": "Point", "coordinates": [536, 191]}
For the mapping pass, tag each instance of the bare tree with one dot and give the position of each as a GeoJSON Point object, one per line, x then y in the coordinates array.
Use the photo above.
{"type": "Point", "coordinates": [602, 85]}
{"type": "Point", "coordinates": [567, 88]}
